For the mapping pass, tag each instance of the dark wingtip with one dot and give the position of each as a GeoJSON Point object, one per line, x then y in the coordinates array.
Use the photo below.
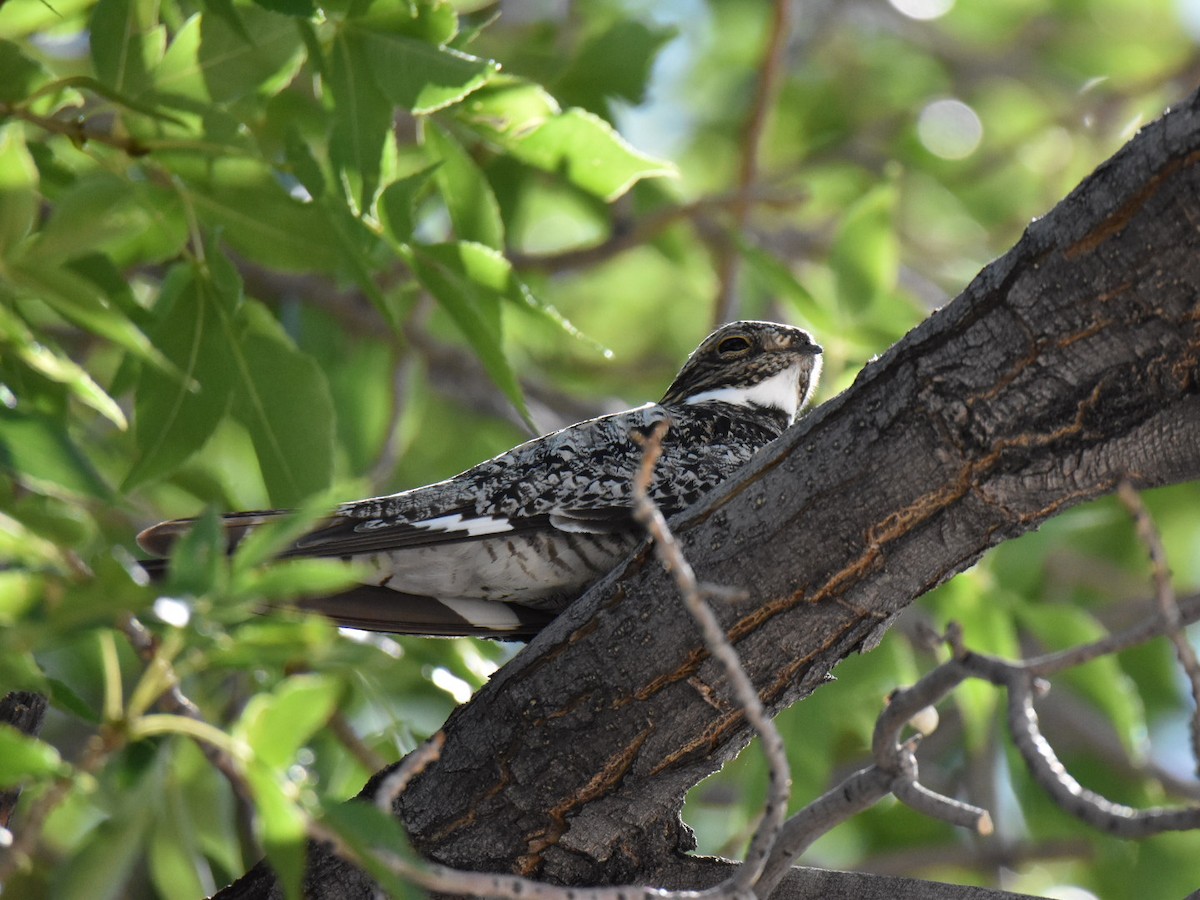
{"type": "Point", "coordinates": [158, 539]}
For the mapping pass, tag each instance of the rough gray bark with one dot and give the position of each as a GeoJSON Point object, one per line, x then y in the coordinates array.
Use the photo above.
{"type": "Point", "coordinates": [1067, 365]}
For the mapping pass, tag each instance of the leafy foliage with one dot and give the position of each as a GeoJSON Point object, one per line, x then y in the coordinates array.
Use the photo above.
{"type": "Point", "coordinates": [276, 252]}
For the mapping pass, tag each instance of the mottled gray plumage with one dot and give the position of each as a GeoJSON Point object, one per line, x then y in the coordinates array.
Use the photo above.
{"type": "Point", "coordinates": [498, 549]}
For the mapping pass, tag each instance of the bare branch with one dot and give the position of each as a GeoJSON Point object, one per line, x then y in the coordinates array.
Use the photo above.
{"type": "Point", "coordinates": [1167, 604]}
{"type": "Point", "coordinates": [411, 766]}
{"type": "Point", "coordinates": [1088, 806]}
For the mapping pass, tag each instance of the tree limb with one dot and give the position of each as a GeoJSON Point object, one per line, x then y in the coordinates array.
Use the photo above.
{"type": "Point", "coordinates": [1067, 366]}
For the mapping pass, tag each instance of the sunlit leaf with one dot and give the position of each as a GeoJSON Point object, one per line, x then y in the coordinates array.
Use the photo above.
{"type": "Point", "coordinates": [18, 188]}
{"type": "Point", "coordinates": [210, 60]}
{"type": "Point", "coordinates": [303, 8]}
{"type": "Point", "coordinates": [259, 219]}
{"type": "Point", "coordinates": [368, 829]}
{"type": "Point", "coordinates": [292, 578]}
{"type": "Point", "coordinates": [422, 77]}
{"type": "Point", "coordinates": [102, 212]}
{"type": "Point", "coordinates": [466, 192]}
{"type": "Point", "coordinates": [126, 42]}
{"type": "Point", "coordinates": [585, 150]}
{"type": "Point", "coordinates": [281, 822]}
{"type": "Point", "coordinates": [23, 757]}
{"type": "Point", "coordinates": [83, 302]}
{"type": "Point", "coordinates": [277, 724]}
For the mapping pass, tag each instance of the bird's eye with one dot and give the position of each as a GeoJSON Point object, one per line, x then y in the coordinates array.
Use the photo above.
{"type": "Point", "coordinates": [734, 345]}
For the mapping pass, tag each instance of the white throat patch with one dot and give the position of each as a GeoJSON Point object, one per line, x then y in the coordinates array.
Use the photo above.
{"type": "Point", "coordinates": [780, 391]}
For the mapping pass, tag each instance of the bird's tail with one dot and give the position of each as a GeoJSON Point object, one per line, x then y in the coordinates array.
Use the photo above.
{"type": "Point", "coordinates": [366, 606]}
{"type": "Point", "coordinates": [159, 539]}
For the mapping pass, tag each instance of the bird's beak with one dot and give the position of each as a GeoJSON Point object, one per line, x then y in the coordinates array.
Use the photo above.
{"type": "Point", "coordinates": [788, 342]}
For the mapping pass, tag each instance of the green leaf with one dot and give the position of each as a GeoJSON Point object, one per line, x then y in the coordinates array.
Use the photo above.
{"type": "Point", "coordinates": [278, 724]}
{"type": "Point", "coordinates": [228, 12]}
{"type": "Point", "coordinates": [210, 61]}
{"type": "Point", "coordinates": [469, 281]}
{"type": "Point", "coordinates": [17, 339]}
{"type": "Point", "coordinates": [613, 63]}
{"type": "Point", "coordinates": [865, 256]}
{"type": "Point", "coordinates": [576, 145]}
{"type": "Point", "coordinates": [397, 204]}
{"type": "Point", "coordinates": [367, 830]}
{"type": "Point", "coordinates": [362, 119]}
{"type": "Point", "coordinates": [301, 8]}
{"type": "Point", "coordinates": [198, 558]}
{"type": "Point", "coordinates": [422, 77]}
{"type": "Point", "coordinates": [173, 856]}
{"type": "Point", "coordinates": [281, 822]}
{"type": "Point", "coordinates": [127, 43]}
{"type": "Point", "coordinates": [508, 108]}
{"type": "Point", "coordinates": [302, 164]}
{"type": "Point", "coordinates": [23, 757]}
{"type": "Point", "coordinates": [291, 578]}
{"type": "Point", "coordinates": [18, 188]}
{"type": "Point", "coordinates": [283, 400]}
{"type": "Point", "coordinates": [434, 23]}
{"type": "Point", "coordinates": [100, 868]}
{"type": "Point", "coordinates": [467, 194]}
{"type": "Point", "coordinates": [103, 212]}
{"type": "Point", "coordinates": [37, 451]}
{"type": "Point", "coordinates": [261, 221]}
{"type": "Point", "coordinates": [176, 414]}
{"type": "Point", "coordinates": [82, 301]}
{"type": "Point", "coordinates": [267, 541]}
{"type": "Point", "coordinates": [18, 73]}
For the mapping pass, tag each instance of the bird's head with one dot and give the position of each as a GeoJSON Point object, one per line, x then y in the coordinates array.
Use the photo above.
{"type": "Point", "coordinates": [766, 365]}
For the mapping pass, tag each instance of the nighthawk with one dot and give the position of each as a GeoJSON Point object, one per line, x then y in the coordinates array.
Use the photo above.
{"type": "Point", "coordinates": [498, 550]}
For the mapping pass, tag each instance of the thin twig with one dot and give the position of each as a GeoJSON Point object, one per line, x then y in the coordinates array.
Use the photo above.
{"type": "Point", "coordinates": [342, 730]}
{"type": "Point", "coordinates": [667, 549]}
{"type": "Point", "coordinates": [767, 88]}
{"type": "Point", "coordinates": [1069, 794]}
{"type": "Point", "coordinates": [1167, 604]}
{"type": "Point", "coordinates": [75, 129]}
{"type": "Point", "coordinates": [1151, 625]}
{"type": "Point", "coordinates": [396, 781]}
{"type": "Point", "coordinates": [173, 700]}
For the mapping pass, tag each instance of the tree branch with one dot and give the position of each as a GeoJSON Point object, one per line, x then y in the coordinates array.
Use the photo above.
{"type": "Point", "coordinates": [1067, 366]}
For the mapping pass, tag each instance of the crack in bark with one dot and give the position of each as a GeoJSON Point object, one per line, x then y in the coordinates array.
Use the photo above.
{"type": "Point", "coordinates": [1116, 221]}
{"type": "Point", "coordinates": [599, 785]}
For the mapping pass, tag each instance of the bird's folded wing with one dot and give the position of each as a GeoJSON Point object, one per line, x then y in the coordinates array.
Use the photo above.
{"type": "Point", "coordinates": [345, 534]}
